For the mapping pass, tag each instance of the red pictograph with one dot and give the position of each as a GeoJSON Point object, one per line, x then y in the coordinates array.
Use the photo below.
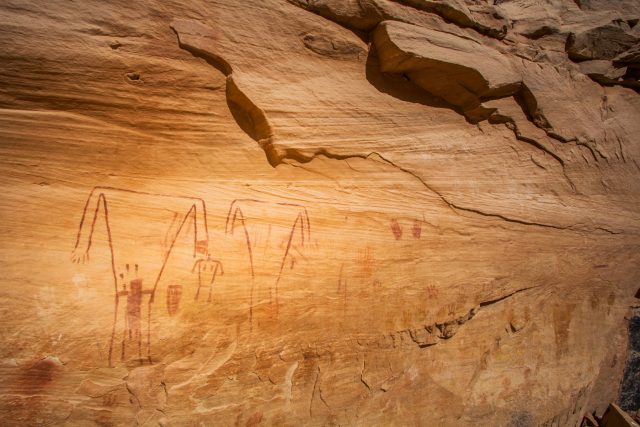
{"type": "Point", "coordinates": [207, 266]}
{"type": "Point", "coordinates": [97, 206]}
{"type": "Point", "coordinates": [300, 231]}
{"type": "Point", "coordinates": [189, 219]}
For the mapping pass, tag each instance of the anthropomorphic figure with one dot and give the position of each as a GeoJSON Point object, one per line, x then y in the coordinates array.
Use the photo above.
{"type": "Point", "coordinates": [208, 269]}
{"type": "Point", "coordinates": [133, 310]}
{"type": "Point", "coordinates": [297, 233]}
{"type": "Point", "coordinates": [108, 204]}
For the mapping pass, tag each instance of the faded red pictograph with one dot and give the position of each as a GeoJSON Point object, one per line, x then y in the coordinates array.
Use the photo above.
{"type": "Point", "coordinates": [299, 232]}
{"type": "Point", "coordinates": [134, 303]}
{"type": "Point", "coordinates": [96, 207]}
{"type": "Point", "coordinates": [133, 310]}
{"type": "Point", "coordinates": [416, 230]}
{"type": "Point", "coordinates": [174, 293]}
{"type": "Point", "coordinates": [208, 269]}
{"type": "Point", "coordinates": [451, 309]}
{"type": "Point", "coordinates": [367, 261]}
{"type": "Point", "coordinates": [432, 291]}
{"type": "Point", "coordinates": [396, 229]}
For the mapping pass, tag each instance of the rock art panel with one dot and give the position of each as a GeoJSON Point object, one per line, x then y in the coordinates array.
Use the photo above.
{"type": "Point", "coordinates": [317, 212]}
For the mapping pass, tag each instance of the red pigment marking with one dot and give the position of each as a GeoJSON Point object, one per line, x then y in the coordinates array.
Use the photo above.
{"type": "Point", "coordinates": [254, 419]}
{"type": "Point", "coordinates": [396, 229]}
{"type": "Point", "coordinates": [417, 229]}
{"type": "Point", "coordinates": [301, 221]}
{"type": "Point", "coordinates": [174, 292]}
{"type": "Point", "coordinates": [134, 301]}
{"type": "Point", "coordinates": [37, 376]}
{"type": "Point", "coordinates": [432, 291]}
{"type": "Point", "coordinates": [367, 261]}
{"type": "Point", "coordinates": [202, 246]}
{"type": "Point", "coordinates": [298, 222]}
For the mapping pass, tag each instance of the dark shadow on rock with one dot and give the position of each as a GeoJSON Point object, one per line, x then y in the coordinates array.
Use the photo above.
{"type": "Point", "coordinates": [399, 86]}
{"type": "Point", "coordinates": [629, 398]}
{"type": "Point", "coordinates": [521, 419]}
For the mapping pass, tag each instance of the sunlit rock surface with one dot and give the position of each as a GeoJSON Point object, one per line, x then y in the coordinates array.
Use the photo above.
{"type": "Point", "coordinates": [317, 212]}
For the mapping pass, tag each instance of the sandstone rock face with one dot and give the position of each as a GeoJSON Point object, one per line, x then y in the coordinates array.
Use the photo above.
{"type": "Point", "coordinates": [604, 42]}
{"type": "Point", "coordinates": [363, 212]}
{"type": "Point", "coordinates": [457, 69]}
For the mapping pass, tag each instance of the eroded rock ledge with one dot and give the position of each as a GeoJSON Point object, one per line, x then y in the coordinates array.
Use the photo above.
{"type": "Point", "coordinates": [362, 212]}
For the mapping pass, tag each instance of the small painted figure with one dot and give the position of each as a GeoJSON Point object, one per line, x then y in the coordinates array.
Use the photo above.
{"type": "Point", "coordinates": [174, 293]}
{"type": "Point", "coordinates": [396, 229]}
{"type": "Point", "coordinates": [207, 267]}
{"type": "Point", "coordinates": [417, 229]}
{"type": "Point", "coordinates": [133, 310]}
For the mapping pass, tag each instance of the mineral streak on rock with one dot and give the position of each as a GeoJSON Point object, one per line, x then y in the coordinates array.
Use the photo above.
{"type": "Point", "coordinates": [318, 212]}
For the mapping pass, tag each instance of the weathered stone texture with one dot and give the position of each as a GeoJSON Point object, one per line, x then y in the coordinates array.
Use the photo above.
{"type": "Point", "coordinates": [363, 212]}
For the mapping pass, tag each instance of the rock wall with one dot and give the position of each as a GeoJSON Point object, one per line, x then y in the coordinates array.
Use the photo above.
{"type": "Point", "coordinates": [317, 212]}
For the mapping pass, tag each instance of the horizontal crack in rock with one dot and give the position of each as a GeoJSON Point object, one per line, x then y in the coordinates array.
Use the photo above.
{"type": "Point", "coordinates": [432, 334]}
{"type": "Point", "coordinates": [254, 122]}
{"type": "Point", "coordinates": [455, 207]}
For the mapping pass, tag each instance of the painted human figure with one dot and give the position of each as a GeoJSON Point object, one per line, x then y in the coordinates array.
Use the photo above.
{"type": "Point", "coordinates": [174, 293]}
{"type": "Point", "coordinates": [297, 235]}
{"type": "Point", "coordinates": [133, 310]}
{"type": "Point", "coordinates": [207, 271]}
{"type": "Point", "coordinates": [105, 201]}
